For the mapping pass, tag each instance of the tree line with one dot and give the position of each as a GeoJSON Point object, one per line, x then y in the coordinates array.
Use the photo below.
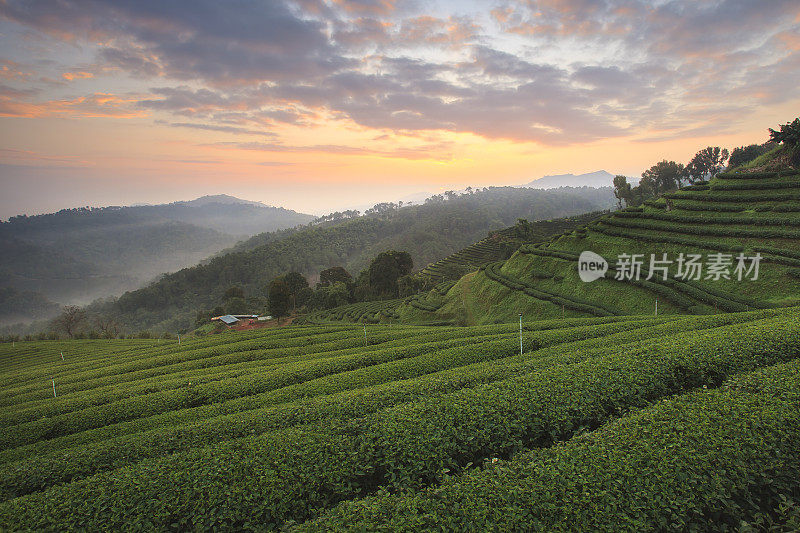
{"type": "Point", "coordinates": [291, 292]}
{"type": "Point", "coordinates": [666, 176]}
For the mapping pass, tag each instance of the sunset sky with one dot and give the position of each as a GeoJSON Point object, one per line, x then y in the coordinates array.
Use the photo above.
{"type": "Point", "coordinates": [319, 105]}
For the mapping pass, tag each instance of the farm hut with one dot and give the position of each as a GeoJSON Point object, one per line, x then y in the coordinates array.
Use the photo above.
{"type": "Point", "coordinates": [233, 320]}
{"type": "Point", "coordinates": [228, 320]}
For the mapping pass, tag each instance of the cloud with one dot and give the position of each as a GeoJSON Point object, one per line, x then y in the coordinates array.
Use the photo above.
{"type": "Point", "coordinates": [69, 76]}
{"type": "Point", "coordinates": [11, 70]}
{"type": "Point", "coordinates": [275, 164]}
{"type": "Point", "coordinates": [437, 152]}
{"type": "Point", "coordinates": [223, 129]}
{"type": "Point", "coordinates": [373, 7]}
{"type": "Point", "coordinates": [220, 42]}
{"type": "Point", "coordinates": [97, 105]}
{"type": "Point", "coordinates": [553, 72]}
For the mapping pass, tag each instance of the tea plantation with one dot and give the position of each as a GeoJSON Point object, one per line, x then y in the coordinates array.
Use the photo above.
{"type": "Point", "coordinates": [734, 214]}
{"type": "Point", "coordinates": [608, 422]}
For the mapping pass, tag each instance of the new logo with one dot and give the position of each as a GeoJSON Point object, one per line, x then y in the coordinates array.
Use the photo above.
{"type": "Point", "coordinates": [591, 266]}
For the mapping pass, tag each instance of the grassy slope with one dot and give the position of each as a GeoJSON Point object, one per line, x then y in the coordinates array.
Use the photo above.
{"type": "Point", "coordinates": [493, 247]}
{"type": "Point", "coordinates": [262, 428]}
{"type": "Point", "coordinates": [756, 218]}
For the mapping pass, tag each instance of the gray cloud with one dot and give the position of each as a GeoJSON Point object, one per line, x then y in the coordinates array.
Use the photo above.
{"type": "Point", "coordinates": [223, 129]}
{"type": "Point", "coordinates": [683, 66]}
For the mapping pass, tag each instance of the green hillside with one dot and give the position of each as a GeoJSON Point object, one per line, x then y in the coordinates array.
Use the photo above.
{"type": "Point", "coordinates": [609, 423]}
{"type": "Point", "coordinates": [500, 244]}
{"type": "Point", "coordinates": [736, 213]}
{"type": "Point", "coordinates": [428, 232]}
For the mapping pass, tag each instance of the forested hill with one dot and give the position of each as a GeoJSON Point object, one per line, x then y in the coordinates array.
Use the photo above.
{"type": "Point", "coordinates": [77, 255]}
{"type": "Point", "coordinates": [223, 213]}
{"type": "Point", "coordinates": [428, 232]}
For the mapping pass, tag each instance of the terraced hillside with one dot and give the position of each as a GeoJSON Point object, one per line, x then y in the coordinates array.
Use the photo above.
{"type": "Point", "coordinates": [604, 423]}
{"type": "Point", "coordinates": [500, 244]}
{"type": "Point", "coordinates": [733, 215]}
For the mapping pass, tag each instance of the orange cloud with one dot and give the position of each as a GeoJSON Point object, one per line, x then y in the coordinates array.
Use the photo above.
{"type": "Point", "coordinates": [77, 75]}
{"type": "Point", "coordinates": [367, 6]}
{"type": "Point", "coordinates": [11, 70]}
{"type": "Point", "coordinates": [95, 106]}
{"type": "Point", "coordinates": [790, 40]}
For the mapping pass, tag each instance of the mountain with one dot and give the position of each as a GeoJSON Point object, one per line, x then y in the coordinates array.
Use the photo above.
{"type": "Point", "coordinates": [226, 214]}
{"type": "Point", "coordinates": [77, 255]}
{"type": "Point", "coordinates": [428, 232]}
{"type": "Point", "coordinates": [599, 178]}
{"type": "Point", "coordinates": [20, 306]}
{"type": "Point", "coordinates": [225, 199]}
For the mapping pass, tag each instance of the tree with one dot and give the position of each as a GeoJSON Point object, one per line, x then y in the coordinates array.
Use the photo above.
{"type": "Point", "coordinates": [296, 282]}
{"type": "Point", "coordinates": [663, 177]}
{"type": "Point", "coordinates": [708, 162]}
{"type": "Point", "coordinates": [745, 154]}
{"type": "Point", "coordinates": [108, 327]}
{"type": "Point", "coordinates": [331, 275]}
{"type": "Point", "coordinates": [71, 320]}
{"type": "Point", "coordinates": [385, 269]}
{"type": "Point", "coordinates": [303, 296]}
{"type": "Point", "coordinates": [279, 296]}
{"type": "Point", "coordinates": [410, 284]}
{"type": "Point", "coordinates": [788, 134]}
{"type": "Point", "coordinates": [236, 306]}
{"type": "Point", "coordinates": [234, 292]}
{"type": "Point", "coordinates": [622, 190]}
{"type": "Point", "coordinates": [646, 189]}
{"type": "Point", "coordinates": [336, 295]}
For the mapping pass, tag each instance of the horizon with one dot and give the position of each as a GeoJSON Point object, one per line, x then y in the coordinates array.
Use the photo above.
{"type": "Point", "coordinates": [426, 194]}
{"type": "Point", "coordinates": [324, 105]}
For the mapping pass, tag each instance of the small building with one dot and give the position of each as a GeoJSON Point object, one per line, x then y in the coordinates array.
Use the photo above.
{"type": "Point", "coordinates": [232, 320]}
{"type": "Point", "coordinates": [229, 320]}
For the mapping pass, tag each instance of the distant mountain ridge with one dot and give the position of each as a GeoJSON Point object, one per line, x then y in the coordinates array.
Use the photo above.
{"type": "Point", "coordinates": [221, 199]}
{"type": "Point", "coordinates": [596, 179]}
{"type": "Point", "coordinates": [77, 255]}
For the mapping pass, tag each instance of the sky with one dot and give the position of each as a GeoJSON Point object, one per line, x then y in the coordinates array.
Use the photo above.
{"type": "Point", "coordinates": [321, 105]}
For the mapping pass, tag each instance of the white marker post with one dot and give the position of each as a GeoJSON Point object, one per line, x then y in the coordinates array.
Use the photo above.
{"type": "Point", "coordinates": [179, 339]}
{"type": "Point", "coordinates": [656, 306]}
{"type": "Point", "coordinates": [365, 335]}
{"type": "Point", "coordinates": [520, 333]}
{"type": "Point", "coordinates": [54, 388]}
